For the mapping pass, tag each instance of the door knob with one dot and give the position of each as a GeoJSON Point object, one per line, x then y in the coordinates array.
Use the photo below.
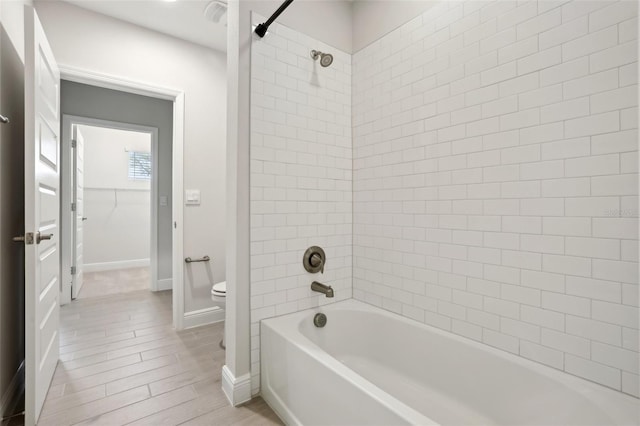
{"type": "Point", "coordinates": [41, 237]}
{"type": "Point", "coordinates": [26, 238]}
{"type": "Point", "coordinates": [84, 218]}
{"type": "Point", "coordinates": [3, 119]}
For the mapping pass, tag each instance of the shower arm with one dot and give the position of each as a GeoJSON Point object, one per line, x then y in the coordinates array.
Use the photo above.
{"type": "Point", "coordinates": [261, 29]}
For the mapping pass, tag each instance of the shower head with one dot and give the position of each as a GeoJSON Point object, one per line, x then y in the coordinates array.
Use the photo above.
{"type": "Point", "coordinates": [326, 59]}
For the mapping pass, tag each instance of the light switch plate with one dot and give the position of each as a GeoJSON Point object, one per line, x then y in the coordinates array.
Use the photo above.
{"type": "Point", "coordinates": [164, 201]}
{"type": "Point", "coordinates": [192, 197]}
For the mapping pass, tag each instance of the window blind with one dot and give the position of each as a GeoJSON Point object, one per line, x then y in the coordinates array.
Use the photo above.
{"type": "Point", "coordinates": [139, 165]}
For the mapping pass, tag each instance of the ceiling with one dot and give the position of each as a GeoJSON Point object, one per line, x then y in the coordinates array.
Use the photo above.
{"type": "Point", "coordinates": [184, 19]}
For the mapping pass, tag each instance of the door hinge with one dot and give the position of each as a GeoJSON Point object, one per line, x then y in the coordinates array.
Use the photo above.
{"type": "Point", "coordinates": [73, 207]}
{"type": "Point", "coordinates": [73, 270]}
{"type": "Point", "coordinates": [74, 143]}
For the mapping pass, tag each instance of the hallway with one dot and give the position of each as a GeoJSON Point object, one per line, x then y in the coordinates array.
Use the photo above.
{"type": "Point", "coordinates": [119, 281]}
{"type": "Point", "coordinates": [121, 362]}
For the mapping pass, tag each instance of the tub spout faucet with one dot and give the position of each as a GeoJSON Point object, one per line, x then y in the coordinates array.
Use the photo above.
{"type": "Point", "coordinates": [322, 288]}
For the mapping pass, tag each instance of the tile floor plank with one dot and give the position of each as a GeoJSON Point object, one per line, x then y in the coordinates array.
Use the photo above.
{"type": "Point", "coordinates": [72, 364]}
{"type": "Point", "coordinates": [95, 339]}
{"type": "Point", "coordinates": [186, 346]}
{"type": "Point", "coordinates": [69, 338]}
{"type": "Point", "coordinates": [187, 378]}
{"type": "Point", "coordinates": [86, 411]}
{"type": "Point", "coordinates": [185, 411]}
{"type": "Point", "coordinates": [143, 409]}
{"type": "Point", "coordinates": [55, 405]}
{"type": "Point", "coordinates": [165, 372]}
{"type": "Point", "coordinates": [62, 375]}
{"type": "Point", "coordinates": [160, 342]}
{"type": "Point", "coordinates": [145, 377]}
{"type": "Point", "coordinates": [122, 345]}
{"type": "Point", "coordinates": [228, 415]}
{"type": "Point", "coordinates": [119, 373]}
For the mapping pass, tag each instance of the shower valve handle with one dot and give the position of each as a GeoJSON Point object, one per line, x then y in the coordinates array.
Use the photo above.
{"type": "Point", "coordinates": [316, 261]}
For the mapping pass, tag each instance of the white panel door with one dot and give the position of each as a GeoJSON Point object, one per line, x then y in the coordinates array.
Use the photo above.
{"type": "Point", "coordinates": [42, 215]}
{"type": "Point", "coordinates": [78, 199]}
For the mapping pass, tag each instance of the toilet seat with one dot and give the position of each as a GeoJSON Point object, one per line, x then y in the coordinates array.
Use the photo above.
{"type": "Point", "coordinates": [219, 289]}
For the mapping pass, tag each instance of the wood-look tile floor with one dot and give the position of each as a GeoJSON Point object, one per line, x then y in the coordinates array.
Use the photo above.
{"type": "Point", "coordinates": [121, 363]}
{"type": "Point", "coordinates": [103, 283]}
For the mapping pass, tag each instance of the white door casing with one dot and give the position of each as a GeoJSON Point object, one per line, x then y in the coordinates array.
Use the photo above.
{"type": "Point", "coordinates": [71, 127]}
{"type": "Point", "coordinates": [78, 200]}
{"type": "Point", "coordinates": [176, 96]}
{"type": "Point", "coordinates": [42, 215]}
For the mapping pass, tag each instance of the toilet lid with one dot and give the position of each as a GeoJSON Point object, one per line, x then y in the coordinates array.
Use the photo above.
{"type": "Point", "coordinates": [219, 289]}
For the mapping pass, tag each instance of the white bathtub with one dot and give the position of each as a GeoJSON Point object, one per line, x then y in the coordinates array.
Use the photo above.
{"type": "Point", "coordinates": [368, 366]}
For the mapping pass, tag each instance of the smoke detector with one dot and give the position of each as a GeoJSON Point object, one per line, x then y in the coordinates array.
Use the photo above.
{"type": "Point", "coordinates": [216, 11]}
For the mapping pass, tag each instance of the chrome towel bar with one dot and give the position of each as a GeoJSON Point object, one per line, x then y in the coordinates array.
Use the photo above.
{"type": "Point", "coordinates": [202, 259]}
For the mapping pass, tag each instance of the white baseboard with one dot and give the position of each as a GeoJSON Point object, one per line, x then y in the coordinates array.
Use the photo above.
{"type": "Point", "coordinates": [110, 266]}
{"type": "Point", "coordinates": [237, 390]}
{"type": "Point", "coordinates": [203, 317]}
{"type": "Point", "coordinates": [166, 284]}
{"type": "Point", "coordinates": [13, 392]}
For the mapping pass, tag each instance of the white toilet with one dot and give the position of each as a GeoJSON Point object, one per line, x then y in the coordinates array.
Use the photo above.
{"type": "Point", "coordinates": [219, 294]}
{"type": "Point", "coordinates": [219, 297]}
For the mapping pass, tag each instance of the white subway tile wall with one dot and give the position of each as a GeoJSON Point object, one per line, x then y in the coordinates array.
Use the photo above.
{"type": "Point", "coordinates": [495, 178]}
{"type": "Point", "coordinates": [301, 175]}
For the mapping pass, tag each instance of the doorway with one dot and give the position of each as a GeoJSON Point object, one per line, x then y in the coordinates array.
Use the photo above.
{"type": "Point", "coordinates": [112, 225]}
{"type": "Point", "coordinates": [104, 113]}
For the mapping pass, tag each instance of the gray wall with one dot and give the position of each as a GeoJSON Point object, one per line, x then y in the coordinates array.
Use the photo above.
{"type": "Point", "coordinates": [12, 196]}
{"type": "Point", "coordinates": [105, 104]}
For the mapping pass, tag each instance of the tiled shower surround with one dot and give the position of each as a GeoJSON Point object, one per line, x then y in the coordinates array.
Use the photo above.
{"type": "Point", "coordinates": [301, 168]}
{"type": "Point", "coordinates": [494, 153]}
{"type": "Point", "coordinates": [495, 179]}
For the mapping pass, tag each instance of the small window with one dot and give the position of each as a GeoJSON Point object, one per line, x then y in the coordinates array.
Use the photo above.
{"type": "Point", "coordinates": [139, 165]}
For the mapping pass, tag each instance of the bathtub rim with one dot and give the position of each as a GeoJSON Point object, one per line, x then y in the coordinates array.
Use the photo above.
{"type": "Point", "coordinates": [620, 407]}
{"type": "Point", "coordinates": [410, 415]}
